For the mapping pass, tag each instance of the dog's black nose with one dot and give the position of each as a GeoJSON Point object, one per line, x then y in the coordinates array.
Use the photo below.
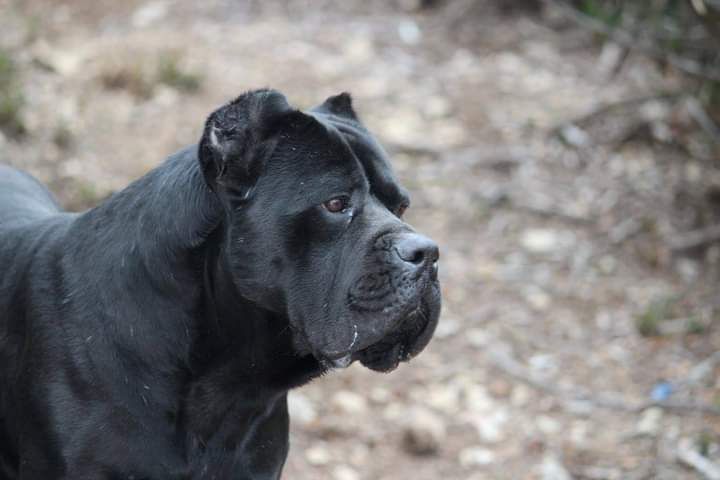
{"type": "Point", "coordinates": [416, 249]}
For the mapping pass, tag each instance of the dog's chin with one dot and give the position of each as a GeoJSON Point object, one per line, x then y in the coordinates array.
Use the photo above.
{"type": "Point", "coordinates": [404, 343]}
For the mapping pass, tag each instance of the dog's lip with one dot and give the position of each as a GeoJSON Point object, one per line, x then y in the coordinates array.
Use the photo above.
{"type": "Point", "coordinates": [338, 363]}
{"type": "Point", "coordinates": [403, 350]}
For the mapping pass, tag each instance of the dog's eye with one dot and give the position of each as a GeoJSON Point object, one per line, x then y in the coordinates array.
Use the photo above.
{"type": "Point", "coordinates": [401, 210]}
{"type": "Point", "coordinates": [337, 204]}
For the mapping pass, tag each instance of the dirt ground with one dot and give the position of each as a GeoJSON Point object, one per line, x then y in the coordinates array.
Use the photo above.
{"type": "Point", "coordinates": [556, 250]}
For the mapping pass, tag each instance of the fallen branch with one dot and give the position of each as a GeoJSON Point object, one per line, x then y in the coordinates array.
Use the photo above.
{"type": "Point", "coordinates": [612, 401]}
{"type": "Point", "coordinates": [693, 459]}
{"type": "Point", "coordinates": [695, 238]}
{"type": "Point", "coordinates": [703, 119]}
{"type": "Point", "coordinates": [608, 108]}
{"type": "Point", "coordinates": [627, 39]}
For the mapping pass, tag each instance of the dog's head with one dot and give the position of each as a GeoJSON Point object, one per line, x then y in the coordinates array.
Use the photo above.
{"type": "Point", "coordinates": [314, 229]}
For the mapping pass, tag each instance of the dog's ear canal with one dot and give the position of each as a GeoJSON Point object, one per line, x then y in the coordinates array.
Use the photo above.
{"type": "Point", "coordinates": [235, 132]}
{"type": "Point", "coordinates": [340, 105]}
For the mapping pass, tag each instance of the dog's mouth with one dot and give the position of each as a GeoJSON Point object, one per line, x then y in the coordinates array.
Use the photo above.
{"type": "Point", "coordinates": [413, 327]}
{"type": "Point", "coordinates": [404, 343]}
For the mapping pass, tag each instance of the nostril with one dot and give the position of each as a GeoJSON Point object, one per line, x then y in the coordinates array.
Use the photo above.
{"type": "Point", "coordinates": [416, 257]}
{"type": "Point", "coordinates": [417, 249]}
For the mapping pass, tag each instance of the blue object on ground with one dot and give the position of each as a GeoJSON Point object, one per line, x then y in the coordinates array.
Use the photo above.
{"type": "Point", "coordinates": [661, 391]}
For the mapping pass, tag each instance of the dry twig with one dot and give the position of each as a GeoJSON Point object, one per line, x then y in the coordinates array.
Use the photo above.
{"type": "Point", "coordinates": [695, 238]}
{"type": "Point", "coordinates": [693, 459]}
{"type": "Point", "coordinates": [505, 362]}
{"type": "Point", "coordinates": [627, 39]}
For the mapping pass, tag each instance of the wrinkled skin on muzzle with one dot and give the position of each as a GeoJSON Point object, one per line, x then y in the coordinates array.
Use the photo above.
{"type": "Point", "coordinates": [370, 307]}
{"type": "Point", "coordinates": [316, 230]}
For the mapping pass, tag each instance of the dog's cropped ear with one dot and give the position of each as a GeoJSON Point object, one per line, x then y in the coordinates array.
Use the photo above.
{"type": "Point", "coordinates": [340, 105]}
{"type": "Point", "coordinates": [235, 131]}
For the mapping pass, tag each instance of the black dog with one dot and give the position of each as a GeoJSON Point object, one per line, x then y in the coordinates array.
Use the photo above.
{"type": "Point", "coordinates": [156, 336]}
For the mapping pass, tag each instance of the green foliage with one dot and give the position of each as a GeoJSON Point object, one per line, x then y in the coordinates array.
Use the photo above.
{"type": "Point", "coordinates": [610, 13]}
{"type": "Point", "coordinates": [171, 73]}
{"type": "Point", "coordinates": [648, 322]}
{"type": "Point", "coordinates": [141, 78]}
{"type": "Point", "coordinates": [11, 97]}
{"type": "Point", "coordinates": [696, 327]}
{"type": "Point", "coordinates": [704, 442]}
{"type": "Point", "coordinates": [63, 137]}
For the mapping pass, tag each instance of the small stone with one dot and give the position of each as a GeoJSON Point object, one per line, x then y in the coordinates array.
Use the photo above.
{"type": "Point", "coordinates": [649, 423]}
{"type": "Point", "coordinates": [476, 456]}
{"type": "Point", "coordinates": [538, 300]}
{"type": "Point", "coordinates": [344, 472]}
{"type": "Point", "coordinates": [318, 454]}
{"type": "Point", "coordinates": [149, 13]}
{"type": "Point", "coordinates": [424, 432]}
{"type": "Point", "coordinates": [444, 398]}
{"type": "Point", "coordinates": [520, 396]}
{"type": "Point", "coordinates": [574, 136]}
{"type": "Point", "coordinates": [301, 408]}
{"type": "Point", "coordinates": [490, 426]}
{"type": "Point", "coordinates": [539, 240]}
{"type": "Point", "coordinates": [547, 425]}
{"type": "Point", "coordinates": [436, 107]}
{"type": "Point", "coordinates": [380, 395]}
{"type": "Point", "coordinates": [349, 402]}
{"type": "Point", "coordinates": [447, 328]}
{"type": "Point", "coordinates": [409, 32]}
{"type": "Point", "coordinates": [553, 469]}
{"type": "Point", "coordinates": [477, 338]}
{"type": "Point", "coordinates": [478, 400]}
{"type": "Point", "coordinates": [543, 365]}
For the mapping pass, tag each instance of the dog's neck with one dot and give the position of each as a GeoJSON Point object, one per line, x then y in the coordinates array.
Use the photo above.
{"type": "Point", "coordinates": [242, 362]}
{"type": "Point", "coordinates": [238, 336]}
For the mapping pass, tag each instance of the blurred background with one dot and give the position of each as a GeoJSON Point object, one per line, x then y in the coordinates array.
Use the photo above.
{"type": "Point", "coordinates": [565, 155]}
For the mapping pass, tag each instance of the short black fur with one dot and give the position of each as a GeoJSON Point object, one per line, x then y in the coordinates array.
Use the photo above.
{"type": "Point", "coordinates": [156, 336]}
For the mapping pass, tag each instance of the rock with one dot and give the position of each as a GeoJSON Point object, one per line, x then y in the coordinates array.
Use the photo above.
{"type": "Point", "coordinates": [489, 426]}
{"type": "Point", "coordinates": [543, 365]}
{"type": "Point", "coordinates": [552, 469]}
{"type": "Point", "coordinates": [380, 395]}
{"type": "Point", "coordinates": [444, 398]}
{"type": "Point", "coordinates": [544, 240]}
{"type": "Point", "coordinates": [447, 328]}
{"type": "Point", "coordinates": [301, 408]}
{"type": "Point", "coordinates": [539, 240]}
{"type": "Point", "coordinates": [424, 432]}
{"type": "Point", "coordinates": [318, 454]}
{"type": "Point", "coordinates": [478, 400]}
{"type": "Point", "coordinates": [476, 456]}
{"type": "Point", "coordinates": [149, 13]}
{"type": "Point", "coordinates": [63, 62]}
{"type": "Point", "coordinates": [436, 107]}
{"type": "Point", "coordinates": [649, 423]}
{"type": "Point", "coordinates": [547, 425]}
{"type": "Point", "coordinates": [520, 396]}
{"type": "Point", "coordinates": [574, 136]}
{"type": "Point", "coordinates": [409, 32]}
{"type": "Point", "coordinates": [538, 299]}
{"type": "Point", "coordinates": [344, 472]}
{"type": "Point", "coordinates": [349, 402]}
{"type": "Point", "coordinates": [478, 338]}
